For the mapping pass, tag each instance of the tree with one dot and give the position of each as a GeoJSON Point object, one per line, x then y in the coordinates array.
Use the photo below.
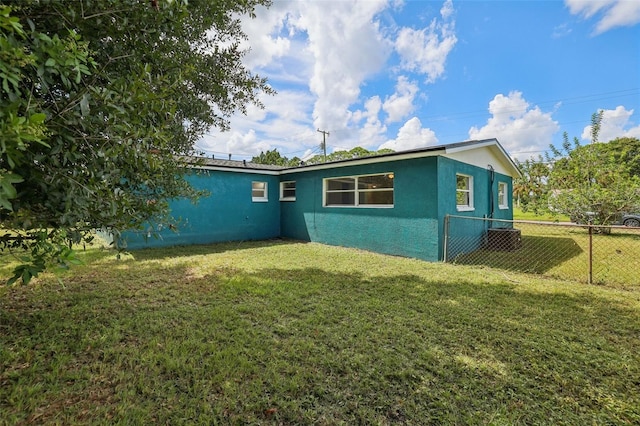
{"type": "Point", "coordinates": [356, 152]}
{"type": "Point", "coordinates": [624, 150]}
{"type": "Point", "coordinates": [594, 183]}
{"type": "Point", "coordinates": [273, 157]}
{"type": "Point", "coordinates": [101, 103]}
{"type": "Point", "coordinates": [530, 189]}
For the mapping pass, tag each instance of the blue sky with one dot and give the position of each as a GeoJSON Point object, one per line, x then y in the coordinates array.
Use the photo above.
{"type": "Point", "coordinates": [410, 74]}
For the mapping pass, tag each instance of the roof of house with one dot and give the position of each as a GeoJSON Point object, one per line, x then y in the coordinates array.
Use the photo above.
{"type": "Point", "coordinates": [237, 164]}
{"type": "Point", "coordinates": [458, 151]}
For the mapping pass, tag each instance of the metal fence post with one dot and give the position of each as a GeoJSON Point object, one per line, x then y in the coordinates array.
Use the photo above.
{"type": "Point", "coordinates": [446, 239]}
{"type": "Point", "coordinates": [590, 254]}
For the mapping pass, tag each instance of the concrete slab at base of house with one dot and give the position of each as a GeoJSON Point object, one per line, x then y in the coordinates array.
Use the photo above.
{"type": "Point", "coordinates": [393, 204]}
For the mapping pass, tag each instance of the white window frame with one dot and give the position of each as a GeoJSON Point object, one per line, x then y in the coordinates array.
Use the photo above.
{"type": "Point", "coordinates": [468, 190]}
{"type": "Point", "coordinates": [356, 192]}
{"type": "Point", "coordinates": [283, 184]}
{"type": "Point", "coordinates": [503, 198]}
{"type": "Point", "coordinates": [265, 195]}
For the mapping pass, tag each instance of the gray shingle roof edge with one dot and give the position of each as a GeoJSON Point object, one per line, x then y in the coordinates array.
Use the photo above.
{"type": "Point", "coordinates": [205, 162]}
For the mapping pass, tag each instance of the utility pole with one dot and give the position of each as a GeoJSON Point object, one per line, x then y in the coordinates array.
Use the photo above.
{"type": "Point", "coordinates": [324, 142]}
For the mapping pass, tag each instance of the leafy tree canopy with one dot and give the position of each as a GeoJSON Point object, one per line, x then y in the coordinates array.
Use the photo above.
{"type": "Point", "coordinates": [356, 152]}
{"type": "Point", "coordinates": [595, 183]}
{"type": "Point", "coordinates": [99, 101]}
{"type": "Point", "coordinates": [624, 151]}
{"type": "Point", "coordinates": [530, 188]}
{"type": "Point", "coordinates": [274, 157]}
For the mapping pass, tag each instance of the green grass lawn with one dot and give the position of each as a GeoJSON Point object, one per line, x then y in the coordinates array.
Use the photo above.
{"type": "Point", "coordinates": [562, 251]}
{"type": "Point", "coordinates": [284, 332]}
{"type": "Point", "coordinates": [518, 214]}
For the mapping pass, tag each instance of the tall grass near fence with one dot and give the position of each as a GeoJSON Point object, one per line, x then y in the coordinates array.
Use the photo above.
{"type": "Point", "coordinates": [561, 250]}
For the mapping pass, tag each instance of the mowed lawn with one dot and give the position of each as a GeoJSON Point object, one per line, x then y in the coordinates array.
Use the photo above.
{"type": "Point", "coordinates": [518, 214]}
{"type": "Point", "coordinates": [282, 332]}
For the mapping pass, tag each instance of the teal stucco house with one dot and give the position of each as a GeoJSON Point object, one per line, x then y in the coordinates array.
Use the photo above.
{"type": "Point", "coordinates": [394, 203]}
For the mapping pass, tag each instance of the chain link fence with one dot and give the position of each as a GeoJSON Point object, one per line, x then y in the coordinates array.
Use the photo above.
{"type": "Point", "coordinates": [593, 254]}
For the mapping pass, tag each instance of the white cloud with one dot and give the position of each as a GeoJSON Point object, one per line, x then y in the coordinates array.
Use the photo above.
{"type": "Point", "coordinates": [587, 8]}
{"type": "Point", "coordinates": [520, 128]}
{"type": "Point", "coordinates": [372, 107]}
{"type": "Point", "coordinates": [320, 55]}
{"type": "Point", "coordinates": [615, 124]}
{"type": "Point", "coordinates": [347, 47]}
{"type": "Point", "coordinates": [266, 49]}
{"type": "Point", "coordinates": [447, 9]}
{"type": "Point", "coordinates": [411, 136]}
{"type": "Point", "coordinates": [561, 31]}
{"type": "Point", "coordinates": [242, 143]}
{"type": "Point", "coordinates": [341, 44]}
{"type": "Point", "coordinates": [285, 122]}
{"type": "Point", "coordinates": [613, 13]}
{"type": "Point", "coordinates": [372, 131]}
{"type": "Point", "coordinates": [426, 50]}
{"type": "Point", "coordinates": [400, 103]}
{"type": "Point", "coordinates": [265, 39]}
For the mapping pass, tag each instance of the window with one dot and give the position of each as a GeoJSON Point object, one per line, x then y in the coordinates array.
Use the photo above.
{"type": "Point", "coordinates": [464, 192]}
{"type": "Point", "coordinates": [288, 191]}
{"type": "Point", "coordinates": [359, 191]}
{"type": "Point", "coordinates": [340, 192]}
{"type": "Point", "coordinates": [259, 191]}
{"type": "Point", "coordinates": [503, 199]}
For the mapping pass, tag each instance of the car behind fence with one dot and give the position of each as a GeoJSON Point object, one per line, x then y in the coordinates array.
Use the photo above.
{"type": "Point", "coordinates": [593, 254]}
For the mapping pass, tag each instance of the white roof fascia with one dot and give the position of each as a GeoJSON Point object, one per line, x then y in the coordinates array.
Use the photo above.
{"type": "Point", "coordinates": [365, 160]}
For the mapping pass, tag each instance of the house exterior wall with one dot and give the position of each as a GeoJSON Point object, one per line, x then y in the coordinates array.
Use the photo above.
{"type": "Point", "coordinates": [410, 228]}
{"type": "Point", "coordinates": [226, 214]}
{"type": "Point", "coordinates": [485, 190]}
{"type": "Point", "coordinates": [485, 201]}
{"type": "Point", "coordinates": [424, 193]}
{"type": "Point", "coordinates": [499, 212]}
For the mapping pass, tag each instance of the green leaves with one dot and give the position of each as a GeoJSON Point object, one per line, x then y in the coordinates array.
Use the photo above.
{"type": "Point", "coordinates": [595, 183]}
{"type": "Point", "coordinates": [530, 189]}
{"type": "Point", "coordinates": [27, 271]}
{"type": "Point", "coordinates": [274, 157]}
{"type": "Point", "coordinates": [40, 250]}
{"type": "Point", "coordinates": [7, 188]}
{"type": "Point", "coordinates": [94, 120]}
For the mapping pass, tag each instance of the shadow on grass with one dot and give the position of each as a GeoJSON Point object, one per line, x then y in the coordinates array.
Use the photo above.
{"type": "Point", "coordinates": [297, 346]}
{"type": "Point", "coordinates": [205, 249]}
{"type": "Point", "coordinates": [538, 255]}
{"type": "Point", "coordinates": [107, 254]}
